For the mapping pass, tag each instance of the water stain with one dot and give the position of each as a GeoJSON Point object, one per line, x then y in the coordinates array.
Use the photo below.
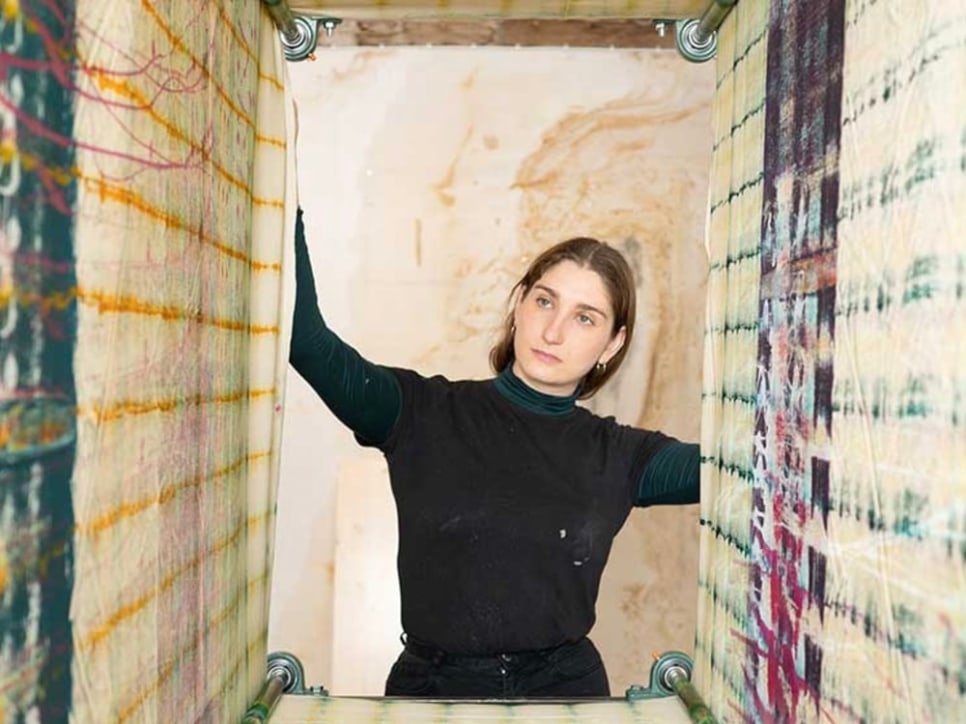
{"type": "Point", "coordinates": [359, 65]}
{"type": "Point", "coordinates": [418, 241]}
{"type": "Point", "coordinates": [444, 186]}
{"type": "Point", "coordinates": [633, 603]}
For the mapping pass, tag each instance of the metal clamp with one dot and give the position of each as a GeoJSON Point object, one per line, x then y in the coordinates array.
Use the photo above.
{"type": "Point", "coordinates": [659, 686]}
{"type": "Point", "coordinates": [300, 38]}
{"type": "Point", "coordinates": [285, 675]}
{"type": "Point", "coordinates": [670, 675]}
{"type": "Point", "coordinates": [697, 38]}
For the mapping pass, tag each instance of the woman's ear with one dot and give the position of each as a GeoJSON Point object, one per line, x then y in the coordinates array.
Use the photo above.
{"type": "Point", "coordinates": [614, 346]}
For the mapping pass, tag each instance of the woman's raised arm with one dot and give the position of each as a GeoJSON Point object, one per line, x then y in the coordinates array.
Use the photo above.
{"type": "Point", "coordinates": [364, 396]}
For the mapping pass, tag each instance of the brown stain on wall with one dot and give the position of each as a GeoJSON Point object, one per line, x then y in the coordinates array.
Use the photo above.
{"type": "Point", "coordinates": [632, 602]}
{"type": "Point", "coordinates": [418, 241]}
{"type": "Point", "coordinates": [360, 64]}
{"type": "Point", "coordinates": [443, 187]}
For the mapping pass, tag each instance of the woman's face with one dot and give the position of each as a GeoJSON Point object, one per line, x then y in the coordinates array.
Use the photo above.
{"type": "Point", "coordinates": [563, 329]}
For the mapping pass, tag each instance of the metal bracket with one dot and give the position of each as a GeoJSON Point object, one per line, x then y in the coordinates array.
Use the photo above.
{"type": "Point", "coordinates": [300, 40]}
{"type": "Point", "coordinates": [284, 675]}
{"type": "Point", "coordinates": [693, 44]}
{"type": "Point", "coordinates": [662, 671]}
{"type": "Point", "coordinates": [697, 38]}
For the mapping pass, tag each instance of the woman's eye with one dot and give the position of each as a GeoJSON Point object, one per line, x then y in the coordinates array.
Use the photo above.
{"type": "Point", "coordinates": [585, 319]}
{"type": "Point", "coordinates": [543, 302]}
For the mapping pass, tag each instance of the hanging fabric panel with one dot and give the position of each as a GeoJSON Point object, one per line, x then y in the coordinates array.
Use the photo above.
{"type": "Point", "coordinates": [834, 429]}
{"type": "Point", "coordinates": [147, 191]}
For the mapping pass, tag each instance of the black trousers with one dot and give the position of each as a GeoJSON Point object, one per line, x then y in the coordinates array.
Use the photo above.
{"type": "Point", "coordinates": [572, 671]}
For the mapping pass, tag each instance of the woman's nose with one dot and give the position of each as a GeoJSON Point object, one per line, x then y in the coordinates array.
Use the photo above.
{"type": "Point", "coordinates": [554, 330]}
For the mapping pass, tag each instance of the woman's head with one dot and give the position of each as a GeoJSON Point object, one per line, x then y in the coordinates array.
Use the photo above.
{"type": "Point", "coordinates": [571, 320]}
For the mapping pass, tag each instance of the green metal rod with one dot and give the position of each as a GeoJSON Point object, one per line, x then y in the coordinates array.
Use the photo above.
{"type": "Point", "coordinates": [712, 18]}
{"type": "Point", "coordinates": [265, 702]}
{"type": "Point", "coordinates": [698, 711]}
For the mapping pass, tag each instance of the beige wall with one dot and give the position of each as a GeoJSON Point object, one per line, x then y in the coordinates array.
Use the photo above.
{"type": "Point", "coordinates": [429, 177]}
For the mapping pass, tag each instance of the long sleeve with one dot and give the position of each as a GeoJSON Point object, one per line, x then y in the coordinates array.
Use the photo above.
{"type": "Point", "coordinates": [672, 476]}
{"type": "Point", "coordinates": [363, 396]}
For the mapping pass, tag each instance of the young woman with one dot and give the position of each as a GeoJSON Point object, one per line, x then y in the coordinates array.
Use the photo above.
{"type": "Point", "coordinates": [508, 494]}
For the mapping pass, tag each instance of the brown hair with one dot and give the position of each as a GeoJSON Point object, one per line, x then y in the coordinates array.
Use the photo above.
{"type": "Point", "coordinates": [611, 266]}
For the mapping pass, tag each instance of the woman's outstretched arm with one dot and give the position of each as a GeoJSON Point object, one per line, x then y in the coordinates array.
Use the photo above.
{"type": "Point", "coordinates": [672, 476]}
{"type": "Point", "coordinates": [364, 396]}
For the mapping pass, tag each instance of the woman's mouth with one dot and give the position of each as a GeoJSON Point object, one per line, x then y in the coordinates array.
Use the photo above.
{"type": "Point", "coordinates": [546, 357]}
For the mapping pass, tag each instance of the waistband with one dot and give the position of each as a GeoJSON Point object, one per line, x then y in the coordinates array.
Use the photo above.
{"type": "Point", "coordinates": [436, 655]}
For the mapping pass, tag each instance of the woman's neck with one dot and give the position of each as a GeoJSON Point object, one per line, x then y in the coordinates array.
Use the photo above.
{"type": "Point", "coordinates": [520, 393]}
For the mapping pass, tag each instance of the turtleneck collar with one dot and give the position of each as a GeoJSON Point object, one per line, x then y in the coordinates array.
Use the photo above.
{"type": "Point", "coordinates": [518, 392]}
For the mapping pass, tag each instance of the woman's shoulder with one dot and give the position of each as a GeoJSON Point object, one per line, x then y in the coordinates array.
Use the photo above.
{"type": "Point", "coordinates": [609, 426]}
{"type": "Point", "coordinates": [438, 383]}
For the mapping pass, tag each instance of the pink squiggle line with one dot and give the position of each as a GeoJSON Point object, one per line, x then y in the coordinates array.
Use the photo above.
{"type": "Point", "coordinates": [63, 69]}
{"type": "Point", "coordinates": [54, 9]}
{"type": "Point", "coordinates": [8, 62]}
{"type": "Point", "coordinates": [172, 79]}
{"type": "Point", "coordinates": [43, 131]}
{"type": "Point", "coordinates": [171, 84]}
{"type": "Point", "coordinates": [54, 48]}
{"type": "Point", "coordinates": [54, 196]}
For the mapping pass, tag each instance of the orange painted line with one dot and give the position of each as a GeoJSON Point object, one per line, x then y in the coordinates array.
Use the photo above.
{"type": "Point", "coordinates": [106, 303]}
{"type": "Point", "coordinates": [100, 633]}
{"type": "Point", "coordinates": [60, 175]}
{"type": "Point", "coordinates": [148, 6]}
{"type": "Point", "coordinates": [165, 672]}
{"type": "Point", "coordinates": [272, 80]}
{"type": "Point", "coordinates": [166, 495]}
{"type": "Point", "coordinates": [28, 298]}
{"type": "Point", "coordinates": [122, 195]}
{"type": "Point", "coordinates": [129, 408]}
{"type": "Point", "coordinates": [123, 304]}
{"type": "Point", "coordinates": [226, 21]}
{"type": "Point", "coordinates": [271, 203]}
{"type": "Point", "coordinates": [270, 141]}
{"type": "Point", "coordinates": [125, 90]}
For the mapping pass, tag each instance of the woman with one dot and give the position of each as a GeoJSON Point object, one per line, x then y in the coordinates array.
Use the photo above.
{"type": "Point", "coordinates": [508, 495]}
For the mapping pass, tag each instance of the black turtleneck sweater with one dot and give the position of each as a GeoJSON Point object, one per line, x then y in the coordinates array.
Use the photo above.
{"type": "Point", "coordinates": [508, 499]}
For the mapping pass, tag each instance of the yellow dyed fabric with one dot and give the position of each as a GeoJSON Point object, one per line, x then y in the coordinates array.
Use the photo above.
{"type": "Point", "coordinates": [182, 221]}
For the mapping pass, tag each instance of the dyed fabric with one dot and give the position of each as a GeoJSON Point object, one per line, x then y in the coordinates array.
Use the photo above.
{"type": "Point", "coordinates": [143, 281]}
{"type": "Point", "coordinates": [325, 710]}
{"type": "Point", "coordinates": [834, 430]}
{"type": "Point", "coordinates": [731, 348]}
{"type": "Point", "coordinates": [37, 337]}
